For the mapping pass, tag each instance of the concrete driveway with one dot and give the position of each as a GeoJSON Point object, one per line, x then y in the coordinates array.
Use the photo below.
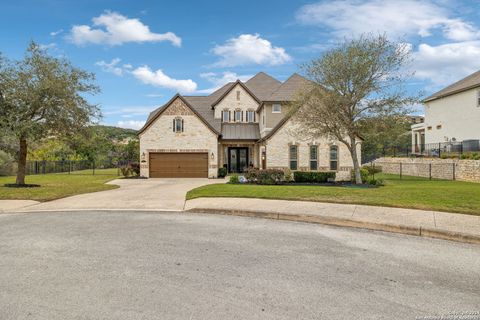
{"type": "Point", "coordinates": [138, 194]}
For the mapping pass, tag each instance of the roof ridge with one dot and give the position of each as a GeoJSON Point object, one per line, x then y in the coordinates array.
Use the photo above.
{"type": "Point", "coordinates": [446, 91]}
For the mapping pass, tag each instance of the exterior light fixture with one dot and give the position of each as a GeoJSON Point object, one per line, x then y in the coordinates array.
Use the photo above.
{"type": "Point", "coordinates": [212, 156]}
{"type": "Point", "coordinates": [142, 157]}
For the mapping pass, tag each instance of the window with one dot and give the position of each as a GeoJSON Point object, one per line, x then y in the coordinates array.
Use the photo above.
{"type": "Point", "coordinates": [226, 116]}
{"type": "Point", "coordinates": [334, 158]}
{"type": "Point", "coordinates": [293, 154]}
{"type": "Point", "coordinates": [238, 115]}
{"type": "Point", "coordinates": [250, 116]}
{"type": "Point", "coordinates": [238, 95]}
{"type": "Point", "coordinates": [478, 98]}
{"type": "Point", "coordinates": [276, 108]}
{"type": "Point", "coordinates": [313, 157]}
{"type": "Point", "coordinates": [178, 125]}
{"type": "Point", "coordinates": [439, 127]}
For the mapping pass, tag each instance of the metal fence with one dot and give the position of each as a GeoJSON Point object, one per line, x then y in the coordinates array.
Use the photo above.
{"type": "Point", "coordinates": [438, 150]}
{"type": "Point", "coordinates": [433, 170]}
{"type": "Point", "coordinates": [71, 167]}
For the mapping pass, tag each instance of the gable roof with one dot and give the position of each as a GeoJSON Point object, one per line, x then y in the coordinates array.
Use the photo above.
{"type": "Point", "coordinates": [287, 90]}
{"type": "Point", "coordinates": [262, 85]}
{"type": "Point", "coordinates": [469, 82]}
{"type": "Point", "coordinates": [234, 84]}
{"type": "Point", "coordinates": [199, 112]}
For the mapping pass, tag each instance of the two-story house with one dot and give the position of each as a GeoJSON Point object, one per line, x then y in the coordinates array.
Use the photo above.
{"type": "Point", "coordinates": [452, 118]}
{"type": "Point", "coordinates": [241, 125]}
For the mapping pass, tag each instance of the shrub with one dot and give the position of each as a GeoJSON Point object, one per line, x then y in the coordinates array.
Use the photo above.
{"type": "Point", "coordinates": [373, 169]}
{"type": "Point", "coordinates": [364, 173]}
{"type": "Point", "coordinates": [222, 172]}
{"type": "Point", "coordinates": [135, 167]}
{"type": "Point", "coordinates": [376, 182]}
{"type": "Point", "coordinates": [313, 176]}
{"type": "Point", "coordinates": [251, 174]}
{"type": "Point", "coordinates": [288, 175]}
{"type": "Point", "coordinates": [234, 178]}
{"type": "Point", "coordinates": [7, 164]}
{"type": "Point", "coordinates": [126, 171]}
{"type": "Point", "coordinates": [270, 176]}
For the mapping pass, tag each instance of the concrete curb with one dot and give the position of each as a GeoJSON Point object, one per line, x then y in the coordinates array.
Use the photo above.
{"type": "Point", "coordinates": [394, 228]}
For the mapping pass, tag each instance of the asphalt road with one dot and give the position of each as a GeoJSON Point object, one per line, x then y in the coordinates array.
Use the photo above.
{"type": "Point", "coordinates": [114, 265]}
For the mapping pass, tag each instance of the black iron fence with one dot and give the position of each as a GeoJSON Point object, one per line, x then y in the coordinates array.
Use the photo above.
{"type": "Point", "coordinates": [432, 170]}
{"type": "Point", "coordinates": [467, 149]}
{"type": "Point", "coordinates": [72, 167]}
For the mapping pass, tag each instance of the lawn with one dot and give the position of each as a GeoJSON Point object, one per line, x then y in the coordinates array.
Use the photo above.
{"type": "Point", "coordinates": [59, 185]}
{"type": "Point", "coordinates": [409, 192]}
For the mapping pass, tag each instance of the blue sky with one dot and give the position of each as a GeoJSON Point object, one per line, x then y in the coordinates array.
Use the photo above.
{"type": "Point", "coordinates": [143, 52]}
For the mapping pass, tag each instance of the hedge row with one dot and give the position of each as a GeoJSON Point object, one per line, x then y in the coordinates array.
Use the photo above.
{"type": "Point", "coordinates": [313, 176]}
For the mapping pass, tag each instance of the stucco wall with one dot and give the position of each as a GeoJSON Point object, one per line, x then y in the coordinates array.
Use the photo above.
{"type": "Point", "coordinates": [278, 151]}
{"type": "Point", "coordinates": [197, 137]}
{"type": "Point", "coordinates": [458, 114]}
{"type": "Point", "coordinates": [231, 103]}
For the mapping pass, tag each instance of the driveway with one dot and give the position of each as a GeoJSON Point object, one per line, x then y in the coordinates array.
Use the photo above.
{"type": "Point", "coordinates": [119, 265]}
{"type": "Point", "coordinates": [139, 194]}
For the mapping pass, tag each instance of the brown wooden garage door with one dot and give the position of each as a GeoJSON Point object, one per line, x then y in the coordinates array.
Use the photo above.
{"type": "Point", "coordinates": [178, 165]}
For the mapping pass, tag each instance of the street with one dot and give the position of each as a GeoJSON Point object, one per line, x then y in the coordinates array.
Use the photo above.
{"type": "Point", "coordinates": [141, 265]}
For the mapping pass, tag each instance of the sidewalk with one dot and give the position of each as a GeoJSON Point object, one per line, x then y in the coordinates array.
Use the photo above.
{"type": "Point", "coordinates": [450, 226]}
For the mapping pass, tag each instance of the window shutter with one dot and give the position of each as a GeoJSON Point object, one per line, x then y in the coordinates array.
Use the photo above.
{"type": "Point", "coordinates": [173, 125]}
{"type": "Point", "coordinates": [254, 116]}
{"type": "Point", "coordinates": [241, 112]}
{"type": "Point", "coordinates": [229, 116]}
{"type": "Point", "coordinates": [182, 126]}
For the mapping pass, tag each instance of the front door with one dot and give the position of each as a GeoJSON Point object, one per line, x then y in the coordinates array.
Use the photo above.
{"type": "Point", "coordinates": [237, 159]}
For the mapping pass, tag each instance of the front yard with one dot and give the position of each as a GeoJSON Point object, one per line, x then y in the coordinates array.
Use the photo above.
{"type": "Point", "coordinates": [409, 192]}
{"type": "Point", "coordinates": [58, 185]}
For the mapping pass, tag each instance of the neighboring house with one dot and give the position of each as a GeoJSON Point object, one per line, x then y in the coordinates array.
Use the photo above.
{"type": "Point", "coordinates": [241, 125]}
{"type": "Point", "coordinates": [452, 117]}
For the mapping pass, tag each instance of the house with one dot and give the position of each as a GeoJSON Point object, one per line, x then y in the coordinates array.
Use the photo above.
{"type": "Point", "coordinates": [240, 125]}
{"type": "Point", "coordinates": [452, 117]}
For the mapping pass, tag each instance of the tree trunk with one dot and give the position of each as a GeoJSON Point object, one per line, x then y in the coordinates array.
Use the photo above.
{"type": "Point", "coordinates": [22, 161]}
{"type": "Point", "coordinates": [356, 164]}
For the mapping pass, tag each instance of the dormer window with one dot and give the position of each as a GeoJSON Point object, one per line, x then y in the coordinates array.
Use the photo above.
{"type": "Point", "coordinates": [178, 125]}
{"type": "Point", "coordinates": [276, 108]}
{"type": "Point", "coordinates": [225, 116]}
{"type": "Point", "coordinates": [250, 116]}
{"type": "Point", "coordinates": [238, 116]}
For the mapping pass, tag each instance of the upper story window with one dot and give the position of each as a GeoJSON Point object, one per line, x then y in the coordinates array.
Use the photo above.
{"type": "Point", "coordinates": [238, 116]}
{"type": "Point", "coordinates": [333, 158]}
{"type": "Point", "coordinates": [293, 157]}
{"type": "Point", "coordinates": [250, 116]}
{"type": "Point", "coordinates": [313, 157]}
{"type": "Point", "coordinates": [478, 98]}
{"type": "Point", "coordinates": [276, 108]}
{"type": "Point", "coordinates": [225, 116]}
{"type": "Point", "coordinates": [178, 125]}
{"type": "Point", "coordinates": [238, 95]}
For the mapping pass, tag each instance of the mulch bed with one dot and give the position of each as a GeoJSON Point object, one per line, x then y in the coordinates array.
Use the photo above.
{"type": "Point", "coordinates": [14, 185]}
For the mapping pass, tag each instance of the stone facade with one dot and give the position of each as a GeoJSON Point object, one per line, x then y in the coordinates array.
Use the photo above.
{"type": "Point", "coordinates": [230, 102]}
{"type": "Point", "coordinates": [277, 152]}
{"type": "Point", "coordinates": [465, 170]}
{"type": "Point", "coordinates": [196, 137]}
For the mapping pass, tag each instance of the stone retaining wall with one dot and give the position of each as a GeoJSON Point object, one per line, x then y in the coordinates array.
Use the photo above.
{"type": "Point", "coordinates": [450, 169]}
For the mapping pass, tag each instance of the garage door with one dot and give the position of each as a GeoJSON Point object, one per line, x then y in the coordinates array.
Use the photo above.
{"type": "Point", "coordinates": [178, 165]}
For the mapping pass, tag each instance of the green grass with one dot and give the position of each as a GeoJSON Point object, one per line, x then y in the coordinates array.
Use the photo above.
{"type": "Point", "coordinates": [58, 185]}
{"type": "Point", "coordinates": [409, 192]}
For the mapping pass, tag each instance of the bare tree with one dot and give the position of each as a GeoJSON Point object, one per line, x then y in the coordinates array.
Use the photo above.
{"type": "Point", "coordinates": [357, 80]}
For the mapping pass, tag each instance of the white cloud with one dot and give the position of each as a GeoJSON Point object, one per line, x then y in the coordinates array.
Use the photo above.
{"type": "Point", "coordinates": [133, 111]}
{"type": "Point", "coordinates": [112, 28]}
{"type": "Point", "coordinates": [52, 46]}
{"type": "Point", "coordinates": [396, 18]}
{"type": "Point", "coordinates": [447, 63]}
{"type": "Point", "coordinates": [249, 49]}
{"type": "Point", "coordinates": [219, 80]}
{"type": "Point", "coordinates": [112, 66]}
{"type": "Point", "coordinates": [154, 95]}
{"type": "Point", "coordinates": [56, 33]}
{"type": "Point", "coordinates": [130, 124]}
{"type": "Point", "coordinates": [159, 79]}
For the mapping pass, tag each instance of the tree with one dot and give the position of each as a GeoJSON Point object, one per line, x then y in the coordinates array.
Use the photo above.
{"type": "Point", "coordinates": [359, 79]}
{"type": "Point", "coordinates": [43, 96]}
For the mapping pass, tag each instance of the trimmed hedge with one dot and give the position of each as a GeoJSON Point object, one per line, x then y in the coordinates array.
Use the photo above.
{"type": "Point", "coordinates": [268, 176]}
{"type": "Point", "coordinates": [222, 172]}
{"type": "Point", "coordinates": [313, 176]}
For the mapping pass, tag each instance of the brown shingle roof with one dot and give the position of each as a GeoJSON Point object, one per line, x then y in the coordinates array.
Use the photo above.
{"type": "Point", "coordinates": [288, 89]}
{"type": "Point", "coordinates": [469, 82]}
{"type": "Point", "coordinates": [262, 85]}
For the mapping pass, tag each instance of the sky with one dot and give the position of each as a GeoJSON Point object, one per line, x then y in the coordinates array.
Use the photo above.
{"type": "Point", "coordinates": [143, 52]}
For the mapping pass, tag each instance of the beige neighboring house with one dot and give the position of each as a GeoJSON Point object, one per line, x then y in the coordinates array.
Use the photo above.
{"type": "Point", "coordinates": [452, 118]}
{"type": "Point", "coordinates": [241, 125]}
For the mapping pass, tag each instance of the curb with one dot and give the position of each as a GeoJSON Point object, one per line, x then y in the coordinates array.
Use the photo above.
{"type": "Point", "coordinates": [394, 228]}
